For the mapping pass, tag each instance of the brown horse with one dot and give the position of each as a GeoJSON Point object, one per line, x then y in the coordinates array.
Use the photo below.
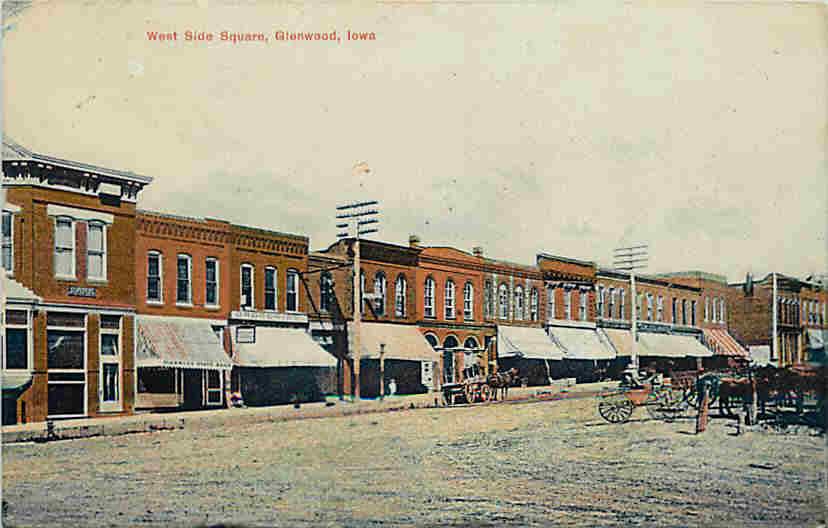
{"type": "Point", "coordinates": [502, 381]}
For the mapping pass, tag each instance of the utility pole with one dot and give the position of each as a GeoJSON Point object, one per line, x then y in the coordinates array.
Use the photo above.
{"type": "Point", "coordinates": [631, 259]}
{"type": "Point", "coordinates": [774, 350]}
{"type": "Point", "coordinates": [357, 215]}
{"type": "Point", "coordinates": [382, 371]}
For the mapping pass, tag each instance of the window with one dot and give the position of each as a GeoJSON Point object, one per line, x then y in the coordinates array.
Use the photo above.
{"type": "Point", "coordinates": [213, 387]}
{"type": "Point", "coordinates": [519, 312]}
{"type": "Point", "coordinates": [639, 305]}
{"type": "Point", "coordinates": [211, 282]}
{"type": "Point", "coordinates": [325, 292]}
{"type": "Point", "coordinates": [270, 289]}
{"type": "Point", "coordinates": [714, 317]}
{"type": "Point", "coordinates": [533, 304]}
{"type": "Point", "coordinates": [246, 300]}
{"type": "Point", "coordinates": [582, 309]}
{"type": "Point", "coordinates": [184, 290]}
{"type": "Point", "coordinates": [8, 242]}
{"type": "Point", "coordinates": [649, 306]}
{"type": "Point", "coordinates": [449, 300]}
{"type": "Point", "coordinates": [675, 311]}
{"type": "Point", "coordinates": [292, 291]}
{"type": "Point", "coordinates": [468, 301]}
{"type": "Point", "coordinates": [503, 301]}
{"type": "Point", "coordinates": [684, 311]}
{"type": "Point", "coordinates": [693, 313]}
{"type": "Point", "coordinates": [380, 284]}
{"type": "Point", "coordinates": [488, 300]}
{"type": "Point", "coordinates": [722, 311]}
{"type": "Point", "coordinates": [550, 303]}
{"type": "Point", "coordinates": [64, 248]}
{"type": "Point", "coordinates": [154, 270]}
{"type": "Point", "coordinates": [611, 307]}
{"type": "Point", "coordinates": [707, 308]}
{"type": "Point", "coordinates": [17, 340]}
{"type": "Point", "coordinates": [110, 373]}
{"type": "Point", "coordinates": [599, 301]}
{"type": "Point", "coordinates": [96, 250]}
{"type": "Point", "coordinates": [568, 304]}
{"type": "Point", "coordinates": [660, 308]}
{"type": "Point", "coordinates": [66, 362]}
{"type": "Point", "coordinates": [428, 297]}
{"type": "Point", "coordinates": [622, 298]}
{"type": "Point", "coordinates": [400, 286]}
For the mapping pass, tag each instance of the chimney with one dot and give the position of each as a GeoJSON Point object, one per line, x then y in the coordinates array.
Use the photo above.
{"type": "Point", "coordinates": [414, 241]}
{"type": "Point", "coordinates": [477, 251]}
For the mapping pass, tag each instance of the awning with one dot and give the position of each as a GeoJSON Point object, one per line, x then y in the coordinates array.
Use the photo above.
{"type": "Point", "coordinates": [15, 381]}
{"type": "Point", "coordinates": [581, 343]}
{"type": "Point", "coordinates": [723, 344]}
{"type": "Point", "coordinates": [180, 342]}
{"type": "Point", "coordinates": [16, 292]}
{"type": "Point", "coordinates": [530, 343]}
{"type": "Point", "coordinates": [404, 342]}
{"type": "Point", "coordinates": [672, 345]}
{"type": "Point", "coordinates": [281, 347]}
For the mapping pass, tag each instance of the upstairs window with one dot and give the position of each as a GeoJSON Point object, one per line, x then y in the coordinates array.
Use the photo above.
{"type": "Point", "coordinates": [270, 289]}
{"type": "Point", "coordinates": [428, 297]}
{"type": "Point", "coordinates": [533, 304]}
{"type": "Point", "coordinates": [675, 311]}
{"type": "Point", "coordinates": [8, 242]}
{"type": "Point", "coordinates": [722, 317]}
{"type": "Point", "coordinates": [488, 300]}
{"type": "Point", "coordinates": [468, 301]}
{"type": "Point", "coordinates": [449, 304]}
{"type": "Point", "coordinates": [184, 287]}
{"type": "Point", "coordinates": [568, 304]}
{"type": "Point", "coordinates": [519, 315]}
{"type": "Point", "coordinates": [400, 286]}
{"type": "Point", "coordinates": [96, 250]}
{"type": "Point", "coordinates": [550, 303]}
{"type": "Point", "coordinates": [582, 309]}
{"type": "Point", "coordinates": [380, 284]}
{"type": "Point", "coordinates": [684, 311]}
{"type": "Point", "coordinates": [64, 248]}
{"type": "Point", "coordinates": [246, 298]}
{"type": "Point", "coordinates": [707, 308]}
{"type": "Point", "coordinates": [325, 292]}
{"type": "Point", "coordinates": [599, 300]}
{"type": "Point", "coordinates": [503, 301]}
{"type": "Point", "coordinates": [611, 300]}
{"type": "Point", "coordinates": [660, 309]}
{"type": "Point", "coordinates": [649, 306]}
{"type": "Point", "coordinates": [154, 271]}
{"type": "Point", "coordinates": [693, 313]}
{"type": "Point", "coordinates": [622, 298]}
{"type": "Point", "coordinates": [211, 282]}
{"type": "Point", "coordinates": [292, 291]}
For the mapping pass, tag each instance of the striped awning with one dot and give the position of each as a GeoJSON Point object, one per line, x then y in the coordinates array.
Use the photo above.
{"type": "Point", "coordinates": [723, 344]}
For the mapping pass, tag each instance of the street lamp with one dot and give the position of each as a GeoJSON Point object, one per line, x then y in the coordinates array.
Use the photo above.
{"type": "Point", "coordinates": [353, 219]}
{"type": "Point", "coordinates": [630, 259]}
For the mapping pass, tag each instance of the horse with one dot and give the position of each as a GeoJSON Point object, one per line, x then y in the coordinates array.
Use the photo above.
{"type": "Point", "coordinates": [502, 381]}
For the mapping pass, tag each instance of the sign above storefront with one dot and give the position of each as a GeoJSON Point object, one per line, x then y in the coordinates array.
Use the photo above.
{"type": "Point", "coordinates": [82, 291]}
{"type": "Point", "coordinates": [245, 334]}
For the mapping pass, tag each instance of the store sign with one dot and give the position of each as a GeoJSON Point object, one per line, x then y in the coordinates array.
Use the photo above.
{"type": "Point", "coordinates": [81, 291]}
{"type": "Point", "coordinates": [245, 334]}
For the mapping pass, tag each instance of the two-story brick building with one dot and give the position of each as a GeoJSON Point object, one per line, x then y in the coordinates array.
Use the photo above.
{"type": "Point", "coordinates": [68, 254]}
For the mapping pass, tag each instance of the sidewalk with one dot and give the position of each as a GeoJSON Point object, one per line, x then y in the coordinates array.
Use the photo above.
{"type": "Point", "coordinates": [210, 419]}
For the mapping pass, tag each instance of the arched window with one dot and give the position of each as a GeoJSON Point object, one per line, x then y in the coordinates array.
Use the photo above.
{"type": "Point", "coordinates": [246, 285]}
{"type": "Point", "coordinates": [707, 308]}
{"type": "Point", "coordinates": [325, 291]}
{"type": "Point", "coordinates": [400, 286]}
{"type": "Point", "coordinates": [428, 297]}
{"type": "Point", "coordinates": [184, 280]}
{"type": "Point", "coordinates": [471, 343]}
{"type": "Point", "coordinates": [533, 304]}
{"type": "Point", "coordinates": [270, 288]}
{"type": "Point", "coordinates": [715, 309]}
{"type": "Point", "coordinates": [550, 303]}
{"type": "Point", "coordinates": [488, 300]}
{"type": "Point", "coordinates": [292, 301]}
{"type": "Point", "coordinates": [449, 345]}
{"type": "Point", "coordinates": [432, 340]}
{"type": "Point", "coordinates": [503, 301]}
{"type": "Point", "coordinates": [451, 342]}
{"type": "Point", "coordinates": [722, 317]}
{"type": "Point", "coordinates": [599, 301]}
{"type": "Point", "coordinates": [450, 312]}
{"type": "Point", "coordinates": [379, 290]}
{"type": "Point", "coordinates": [468, 301]}
{"type": "Point", "coordinates": [518, 303]}
{"type": "Point", "coordinates": [649, 306]}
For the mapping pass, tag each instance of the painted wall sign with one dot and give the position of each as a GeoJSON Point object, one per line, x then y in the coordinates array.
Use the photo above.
{"type": "Point", "coordinates": [246, 334]}
{"type": "Point", "coordinates": [82, 291]}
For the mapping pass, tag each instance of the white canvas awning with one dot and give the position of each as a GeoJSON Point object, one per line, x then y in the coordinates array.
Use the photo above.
{"type": "Point", "coordinates": [582, 343]}
{"type": "Point", "coordinates": [180, 342]}
{"type": "Point", "coordinates": [403, 342]}
{"type": "Point", "coordinates": [281, 347]}
{"type": "Point", "coordinates": [17, 293]}
{"type": "Point", "coordinates": [671, 345]}
{"type": "Point", "coordinates": [526, 342]}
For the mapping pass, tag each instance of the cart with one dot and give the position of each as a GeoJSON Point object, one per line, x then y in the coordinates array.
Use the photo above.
{"type": "Point", "coordinates": [472, 389]}
{"type": "Point", "coordinates": [661, 399]}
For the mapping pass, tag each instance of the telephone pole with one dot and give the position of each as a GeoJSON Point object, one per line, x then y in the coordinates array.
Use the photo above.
{"type": "Point", "coordinates": [356, 217]}
{"type": "Point", "coordinates": [630, 259]}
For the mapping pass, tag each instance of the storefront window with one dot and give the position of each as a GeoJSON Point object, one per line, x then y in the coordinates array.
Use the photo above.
{"type": "Point", "coordinates": [66, 361]}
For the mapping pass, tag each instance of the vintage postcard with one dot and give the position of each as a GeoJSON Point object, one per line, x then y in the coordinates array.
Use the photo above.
{"type": "Point", "coordinates": [413, 263]}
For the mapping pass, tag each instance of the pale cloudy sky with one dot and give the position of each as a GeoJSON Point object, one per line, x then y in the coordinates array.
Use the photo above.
{"type": "Point", "coordinates": [564, 127]}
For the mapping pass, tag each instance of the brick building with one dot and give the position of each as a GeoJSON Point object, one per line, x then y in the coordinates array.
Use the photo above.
{"type": "Point", "coordinates": [781, 319]}
{"type": "Point", "coordinates": [68, 254]}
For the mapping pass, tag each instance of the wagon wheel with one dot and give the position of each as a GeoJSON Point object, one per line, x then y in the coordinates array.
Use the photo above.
{"type": "Point", "coordinates": [691, 396]}
{"type": "Point", "coordinates": [468, 390]}
{"type": "Point", "coordinates": [485, 392]}
{"type": "Point", "coordinates": [615, 409]}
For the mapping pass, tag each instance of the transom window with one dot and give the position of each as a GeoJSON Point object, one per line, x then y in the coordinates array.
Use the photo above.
{"type": "Point", "coordinates": [184, 286]}
{"type": "Point", "coordinates": [450, 312]}
{"type": "Point", "coordinates": [64, 247]}
{"type": "Point", "coordinates": [270, 277]}
{"type": "Point", "coordinates": [292, 301]}
{"type": "Point", "coordinates": [96, 250]}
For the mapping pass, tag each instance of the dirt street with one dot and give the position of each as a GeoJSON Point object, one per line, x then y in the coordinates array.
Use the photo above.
{"type": "Point", "coordinates": [534, 464]}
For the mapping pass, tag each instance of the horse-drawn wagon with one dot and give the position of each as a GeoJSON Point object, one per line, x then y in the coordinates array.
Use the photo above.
{"type": "Point", "coordinates": [476, 387]}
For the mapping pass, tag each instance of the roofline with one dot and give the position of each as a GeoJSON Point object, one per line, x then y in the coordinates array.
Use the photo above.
{"type": "Point", "coordinates": [570, 260]}
{"type": "Point", "coordinates": [76, 165]}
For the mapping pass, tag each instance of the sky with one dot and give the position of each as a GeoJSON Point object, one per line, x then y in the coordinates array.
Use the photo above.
{"type": "Point", "coordinates": [562, 127]}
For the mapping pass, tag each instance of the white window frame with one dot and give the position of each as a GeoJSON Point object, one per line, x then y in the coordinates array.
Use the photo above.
{"type": "Point", "coordinates": [583, 303]}
{"type": "Point", "coordinates": [611, 303]}
{"type": "Point", "coordinates": [275, 292]}
{"type": "Point", "coordinates": [449, 307]}
{"type": "Point", "coordinates": [649, 306]}
{"type": "Point", "coordinates": [550, 303]}
{"type": "Point", "coordinates": [84, 330]}
{"type": "Point", "coordinates": [292, 273]}
{"type": "Point", "coordinates": [207, 390]}
{"type": "Point", "coordinates": [714, 317]}
{"type": "Point", "coordinates": [189, 301]}
{"type": "Point", "coordinates": [400, 291]}
{"type": "Point", "coordinates": [660, 308]}
{"type": "Point", "coordinates": [118, 405]}
{"type": "Point", "coordinates": [534, 305]}
{"type": "Point", "coordinates": [207, 262]}
{"type": "Point", "coordinates": [29, 336]}
{"type": "Point", "coordinates": [72, 251]}
{"type": "Point", "coordinates": [160, 299]}
{"type": "Point", "coordinates": [252, 304]}
{"type": "Point", "coordinates": [10, 245]}
{"type": "Point", "coordinates": [325, 291]}
{"type": "Point", "coordinates": [519, 303]}
{"type": "Point", "coordinates": [503, 301]}
{"type": "Point", "coordinates": [428, 297]}
{"type": "Point", "coordinates": [722, 310]}
{"type": "Point", "coordinates": [568, 305]}
{"type": "Point", "coordinates": [381, 288]}
{"type": "Point", "coordinates": [622, 301]}
{"type": "Point", "coordinates": [468, 301]}
{"type": "Point", "coordinates": [599, 301]}
{"type": "Point", "coordinates": [103, 252]}
{"type": "Point", "coordinates": [694, 308]}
